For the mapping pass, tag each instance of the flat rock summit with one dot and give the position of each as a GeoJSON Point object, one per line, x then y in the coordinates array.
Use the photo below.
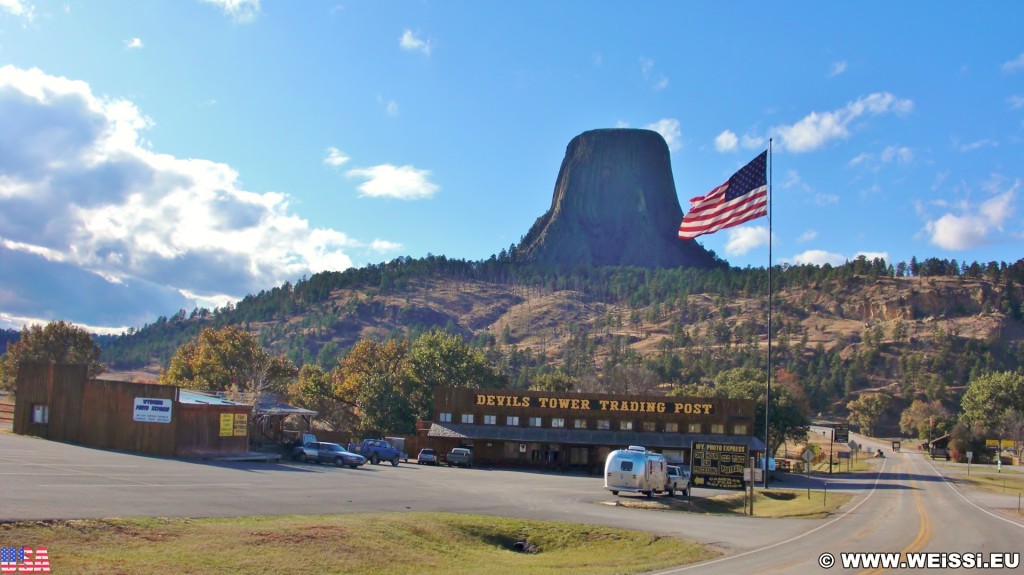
{"type": "Point", "coordinates": [614, 204]}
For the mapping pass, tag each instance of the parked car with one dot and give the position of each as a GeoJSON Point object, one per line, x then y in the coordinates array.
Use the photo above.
{"type": "Point", "coordinates": [678, 480]}
{"type": "Point", "coordinates": [460, 456]}
{"type": "Point", "coordinates": [324, 452]}
{"type": "Point", "coordinates": [301, 441]}
{"type": "Point", "coordinates": [427, 456]}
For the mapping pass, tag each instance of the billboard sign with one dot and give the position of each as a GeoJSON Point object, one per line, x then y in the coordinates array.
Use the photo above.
{"type": "Point", "coordinates": [718, 465]}
{"type": "Point", "coordinates": [151, 410]}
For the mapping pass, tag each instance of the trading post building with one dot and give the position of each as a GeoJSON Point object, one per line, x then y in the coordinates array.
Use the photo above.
{"type": "Point", "coordinates": [572, 430]}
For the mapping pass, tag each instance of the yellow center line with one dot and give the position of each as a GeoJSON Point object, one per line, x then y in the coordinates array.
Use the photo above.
{"type": "Point", "coordinates": [924, 532]}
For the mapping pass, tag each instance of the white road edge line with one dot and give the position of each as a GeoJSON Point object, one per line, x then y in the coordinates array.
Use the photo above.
{"type": "Point", "coordinates": [118, 486]}
{"type": "Point", "coordinates": [957, 491]}
{"type": "Point", "coordinates": [790, 540]}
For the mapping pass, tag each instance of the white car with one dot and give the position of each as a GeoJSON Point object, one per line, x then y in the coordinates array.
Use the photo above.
{"type": "Point", "coordinates": [427, 456]}
{"type": "Point", "coordinates": [678, 480]}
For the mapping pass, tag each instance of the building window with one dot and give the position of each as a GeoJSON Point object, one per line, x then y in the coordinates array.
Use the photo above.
{"type": "Point", "coordinates": [512, 420]}
{"type": "Point", "coordinates": [490, 420]}
{"type": "Point", "coordinates": [446, 418]}
{"type": "Point", "coordinates": [535, 422]}
{"type": "Point", "coordinates": [693, 428]}
{"type": "Point", "coordinates": [40, 413]}
{"type": "Point", "coordinates": [718, 428]}
{"type": "Point", "coordinates": [739, 429]}
{"type": "Point", "coordinates": [467, 418]}
{"type": "Point", "coordinates": [557, 422]}
{"type": "Point", "coordinates": [672, 427]}
{"type": "Point", "coordinates": [580, 424]}
{"type": "Point", "coordinates": [604, 424]}
{"type": "Point", "coordinates": [626, 425]}
{"type": "Point", "coordinates": [649, 426]}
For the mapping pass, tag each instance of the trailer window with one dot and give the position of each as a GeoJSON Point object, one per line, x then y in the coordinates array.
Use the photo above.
{"type": "Point", "coordinates": [626, 466]}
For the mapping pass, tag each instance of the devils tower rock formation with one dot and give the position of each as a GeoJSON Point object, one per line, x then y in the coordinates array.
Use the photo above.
{"type": "Point", "coordinates": [614, 204]}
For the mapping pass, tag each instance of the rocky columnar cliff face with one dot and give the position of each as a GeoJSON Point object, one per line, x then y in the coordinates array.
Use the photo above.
{"type": "Point", "coordinates": [614, 204]}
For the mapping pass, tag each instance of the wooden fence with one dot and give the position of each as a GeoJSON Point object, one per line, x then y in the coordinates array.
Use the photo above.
{"type": "Point", "coordinates": [6, 412]}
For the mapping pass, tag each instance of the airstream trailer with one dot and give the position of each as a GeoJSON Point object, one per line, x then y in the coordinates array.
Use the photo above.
{"type": "Point", "coordinates": [635, 470]}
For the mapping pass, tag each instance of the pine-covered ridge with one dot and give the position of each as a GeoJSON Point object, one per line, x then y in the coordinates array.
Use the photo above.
{"type": "Point", "coordinates": [921, 329]}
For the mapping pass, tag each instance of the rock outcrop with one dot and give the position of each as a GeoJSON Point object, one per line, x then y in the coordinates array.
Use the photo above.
{"type": "Point", "coordinates": [614, 204]}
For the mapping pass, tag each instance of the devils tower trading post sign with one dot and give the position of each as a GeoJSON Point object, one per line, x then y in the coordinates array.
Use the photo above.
{"type": "Point", "coordinates": [718, 465]}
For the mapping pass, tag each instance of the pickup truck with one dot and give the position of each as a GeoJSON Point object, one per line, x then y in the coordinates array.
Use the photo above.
{"type": "Point", "coordinates": [460, 456]}
{"type": "Point", "coordinates": [376, 450]}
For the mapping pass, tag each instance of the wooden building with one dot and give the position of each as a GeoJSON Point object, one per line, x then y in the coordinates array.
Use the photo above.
{"type": "Point", "coordinates": [60, 402]}
{"type": "Point", "coordinates": [569, 430]}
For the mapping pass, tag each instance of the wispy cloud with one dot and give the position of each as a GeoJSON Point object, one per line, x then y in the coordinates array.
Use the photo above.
{"type": "Point", "coordinates": [808, 236]}
{"type": "Point", "coordinates": [241, 11]}
{"type": "Point", "coordinates": [837, 69]}
{"type": "Point", "coordinates": [335, 157]}
{"type": "Point", "coordinates": [816, 130]}
{"type": "Point", "coordinates": [410, 42]}
{"type": "Point", "coordinates": [976, 145]}
{"type": "Point", "coordinates": [389, 181]}
{"type": "Point", "coordinates": [133, 44]}
{"type": "Point", "coordinates": [656, 81]}
{"type": "Point", "coordinates": [1015, 101]}
{"type": "Point", "coordinates": [1014, 65]}
{"type": "Point", "coordinates": [669, 129]}
{"type": "Point", "coordinates": [819, 258]}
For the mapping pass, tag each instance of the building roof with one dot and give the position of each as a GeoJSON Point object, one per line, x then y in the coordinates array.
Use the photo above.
{"type": "Point", "coordinates": [194, 397]}
{"type": "Point", "coordinates": [584, 436]}
{"type": "Point", "coordinates": [269, 405]}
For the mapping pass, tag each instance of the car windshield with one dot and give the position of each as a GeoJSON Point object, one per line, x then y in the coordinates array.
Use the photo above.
{"type": "Point", "coordinates": [427, 452]}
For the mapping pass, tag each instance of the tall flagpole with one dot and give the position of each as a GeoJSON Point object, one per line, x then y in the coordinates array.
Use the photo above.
{"type": "Point", "coordinates": [768, 394]}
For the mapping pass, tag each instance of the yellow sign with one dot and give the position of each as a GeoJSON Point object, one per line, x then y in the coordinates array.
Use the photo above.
{"type": "Point", "coordinates": [227, 425]}
{"type": "Point", "coordinates": [241, 425]}
{"type": "Point", "coordinates": [1006, 443]}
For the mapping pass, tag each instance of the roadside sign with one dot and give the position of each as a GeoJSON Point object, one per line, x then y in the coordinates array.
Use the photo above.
{"type": "Point", "coordinates": [841, 433]}
{"type": "Point", "coordinates": [854, 446]}
{"type": "Point", "coordinates": [808, 456]}
{"type": "Point", "coordinates": [152, 410]}
{"type": "Point", "coordinates": [843, 454]}
{"type": "Point", "coordinates": [970, 456]}
{"type": "Point", "coordinates": [718, 465]}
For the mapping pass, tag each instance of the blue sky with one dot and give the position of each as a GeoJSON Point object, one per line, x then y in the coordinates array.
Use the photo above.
{"type": "Point", "coordinates": [160, 155]}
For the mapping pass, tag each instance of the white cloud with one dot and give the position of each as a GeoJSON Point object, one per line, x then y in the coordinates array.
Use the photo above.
{"type": "Point", "coordinates": [388, 181]}
{"type": "Point", "coordinates": [726, 141]}
{"type": "Point", "coordinates": [1014, 65]}
{"type": "Point", "coordinates": [669, 129]}
{"type": "Point", "coordinates": [81, 199]}
{"type": "Point", "coordinates": [972, 227]}
{"type": "Point", "coordinates": [410, 42]}
{"type": "Point", "coordinates": [744, 239]}
{"type": "Point", "coordinates": [390, 106]}
{"type": "Point", "coordinates": [825, 199]}
{"type": "Point", "coordinates": [807, 236]}
{"type": "Point", "coordinates": [241, 11]}
{"type": "Point", "coordinates": [819, 258]}
{"type": "Point", "coordinates": [335, 157]}
{"type": "Point", "coordinates": [18, 8]}
{"type": "Point", "coordinates": [753, 142]}
{"type": "Point", "coordinates": [385, 246]}
{"type": "Point", "coordinates": [816, 130]}
{"type": "Point", "coordinates": [837, 69]}
{"type": "Point", "coordinates": [133, 44]}
{"type": "Point", "coordinates": [1016, 101]}
{"type": "Point", "coordinates": [17, 322]}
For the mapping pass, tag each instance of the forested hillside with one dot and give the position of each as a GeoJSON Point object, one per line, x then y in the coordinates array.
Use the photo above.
{"type": "Point", "coordinates": [918, 330]}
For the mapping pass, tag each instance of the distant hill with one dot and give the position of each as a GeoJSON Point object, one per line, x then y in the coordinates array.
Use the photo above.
{"type": "Point", "coordinates": [838, 331]}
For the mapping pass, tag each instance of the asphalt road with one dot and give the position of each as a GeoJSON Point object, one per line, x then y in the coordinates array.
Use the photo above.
{"type": "Point", "coordinates": [907, 506]}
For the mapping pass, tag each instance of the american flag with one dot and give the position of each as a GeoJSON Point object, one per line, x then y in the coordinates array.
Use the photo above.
{"type": "Point", "coordinates": [24, 560]}
{"type": "Point", "coordinates": [742, 198]}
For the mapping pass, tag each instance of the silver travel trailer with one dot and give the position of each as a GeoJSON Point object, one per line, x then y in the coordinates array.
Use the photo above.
{"type": "Point", "coordinates": [635, 470]}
